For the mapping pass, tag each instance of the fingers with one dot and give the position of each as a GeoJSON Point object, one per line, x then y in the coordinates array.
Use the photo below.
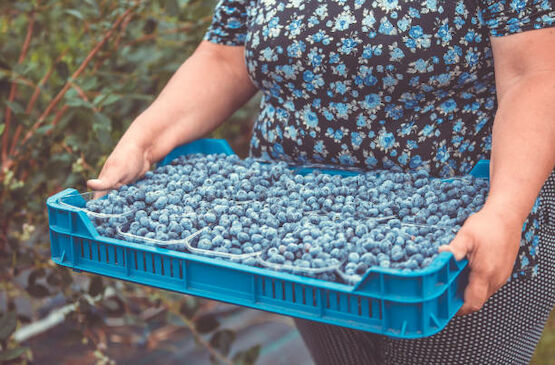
{"type": "Point", "coordinates": [475, 295]}
{"type": "Point", "coordinates": [460, 247]}
{"type": "Point", "coordinates": [103, 183]}
{"type": "Point", "coordinates": [100, 184]}
{"type": "Point", "coordinates": [478, 289]}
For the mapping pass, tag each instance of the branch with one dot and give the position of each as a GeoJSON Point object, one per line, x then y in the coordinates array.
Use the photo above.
{"type": "Point", "coordinates": [122, 30]}
{"type": "Point", "coordinates": [68, 84]}
{"type": "Point", "coordinates": [83, 96]}
{"type": "Point", "coordinates": [215, 353]}
{"type": "Point", "coordinates": [58, 116]}
{"type": "Point", "coordinates": [13, 89]}
{"type": "Point", "coordinates": [45, 78]}
{"type": "Point", "coordinates": [172, 306]}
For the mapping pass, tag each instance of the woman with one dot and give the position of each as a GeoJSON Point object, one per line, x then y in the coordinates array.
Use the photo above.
{"type": "Point", "coordinates": [374, 83]}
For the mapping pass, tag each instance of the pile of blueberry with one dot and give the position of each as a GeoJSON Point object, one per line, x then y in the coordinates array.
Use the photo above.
{"type": "Point", "coordinates": [265, 214]}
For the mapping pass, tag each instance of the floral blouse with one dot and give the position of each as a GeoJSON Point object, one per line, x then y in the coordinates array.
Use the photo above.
{"type": "Point", "coordinates": [377, 83]}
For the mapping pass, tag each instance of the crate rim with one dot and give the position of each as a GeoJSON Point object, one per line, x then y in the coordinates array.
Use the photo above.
{"type": "Point", "coordinates": [444, 258]}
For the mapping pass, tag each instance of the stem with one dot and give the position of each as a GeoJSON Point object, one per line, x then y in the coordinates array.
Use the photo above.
{"type": "Point", "coordinates": [83, 96]}
{"type": "Point", "coordinates": [171, 306]}
{"type": "Point", "coordinates": [58, 116]}
{"type": "Point", "coordinates": [13, 89]}
{"type": "Point", "coordinates": [215, 353]}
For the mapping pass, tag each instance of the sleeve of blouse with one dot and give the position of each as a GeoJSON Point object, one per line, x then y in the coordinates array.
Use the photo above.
{"type": "Point", "coordinates": [504, 17]}
{"type": "Point", "coordinates": [229, 23]}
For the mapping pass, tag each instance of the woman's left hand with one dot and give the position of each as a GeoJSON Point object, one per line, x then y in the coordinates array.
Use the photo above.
{"type": "Point", "coordinates": [490, 241]}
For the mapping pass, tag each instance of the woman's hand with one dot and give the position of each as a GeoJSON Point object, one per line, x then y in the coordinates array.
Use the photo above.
{"type": "Point", "coordinates": [490, 241]}
{"type": "Point", "coordinates": [126, 163]}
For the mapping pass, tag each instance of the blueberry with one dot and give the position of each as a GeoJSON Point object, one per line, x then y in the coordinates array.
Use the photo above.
{"type": "Point", "coordinates": [210, 217]}
{"type": "Point", "coordinates": [160, 202]}
{"type": "Point", "coordinates": [354, 257]}
{"type": "Point", "coordinates": [384, 263]}
{"type": "Point", "coordinates": [397, 253]}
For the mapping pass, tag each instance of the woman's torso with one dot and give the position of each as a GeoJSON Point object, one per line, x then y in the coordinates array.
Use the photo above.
{"type": "Point", "coordinates": [372, 83]}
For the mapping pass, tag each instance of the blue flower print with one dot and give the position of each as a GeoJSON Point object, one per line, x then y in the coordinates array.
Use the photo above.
{"type": "Point", "coordinates": [356, 139]}
{"type": "Point", "coordinates": [348, 45]}
{"type": "Point", "coordinates": [343, 21]}
{"type": "Point", "coordinates": [386, 140]}
{"type": "Point", "coordinates": [311, 119]}
{"type": "Point", "coordinates": [372, 101]}
{"type": "Point", "coordinates": [386, 27]}
{"type": "Point", "coordinates": [448, 106]}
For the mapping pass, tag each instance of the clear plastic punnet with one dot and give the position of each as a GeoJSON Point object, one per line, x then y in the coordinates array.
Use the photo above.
{"type": "Point", "coordinates": [190, 245]}
{"type": "Point", "coordinates": [307, 271]}
{"type": "Point", "coordinates": [189, 242]}
{"type": "Point", "coordinates": [85, 202]}
{"type": "Point", "coordinates": [97, 207]}
{"type": "Point", "coordinates": [413, 248]}
{"type": "Point", "coordinates": [177, 244]}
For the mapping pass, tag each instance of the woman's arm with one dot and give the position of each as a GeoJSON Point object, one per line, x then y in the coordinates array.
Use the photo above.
{"type": "Point", "coordinates": [523, 156]}
{"type": "Point", "coordinates": [204, 91]}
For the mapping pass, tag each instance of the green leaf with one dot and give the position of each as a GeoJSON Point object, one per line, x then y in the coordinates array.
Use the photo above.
{"type": "Point", "coordinates": [75, 13]}
{"type": "Point", "coordinates": [102, 127]}
{"type": "Point", "coordinates": [13, 354]}
{"type": "Point", "coordinates": [222, 340]}
{"type": "Point", "coordinates": [8, 322]}
{"type": "Point", "coordinates": [44, 129]}
{"type": "Point", "coordinates": [105, 139]}
{"type": "Point", "coordinates": [15, 107]}
{"type": "Point", "coordinates": [73, 142]}
{"type": "Point", "coordinates": [79, 103]}
{"type": "Point", "coordinates": [101, 121]}
{"type": "Point", "coordinates": [89, 84]}
{"type": "Point", "coordinates": [72, 98]}
{"type": "Point", "coordinates": [2, 126]}
{"type": "Point", "coordinates": [110, 99]}
{"type": "Point", "coordinates": [206, 323]}
{"type": "Point", "coordinates": [247, 357]}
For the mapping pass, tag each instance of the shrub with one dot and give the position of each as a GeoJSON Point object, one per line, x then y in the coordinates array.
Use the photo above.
{"type": "Point", "coordinates": [73, 75]}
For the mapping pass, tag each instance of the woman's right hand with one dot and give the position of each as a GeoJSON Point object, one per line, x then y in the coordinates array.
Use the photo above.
{"type": "Point", "coordinates": [126, 163]}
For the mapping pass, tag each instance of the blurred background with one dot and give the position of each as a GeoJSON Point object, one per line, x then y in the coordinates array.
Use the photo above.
{"type": "Point", "coordinates": [73, 75]}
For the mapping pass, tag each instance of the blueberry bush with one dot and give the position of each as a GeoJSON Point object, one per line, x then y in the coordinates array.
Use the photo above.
{"type": "Point", "coordinates": [73, 75]}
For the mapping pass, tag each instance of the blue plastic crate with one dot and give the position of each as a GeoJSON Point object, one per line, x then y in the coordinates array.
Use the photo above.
{"type": "Point", "coordinates": [386, 301]}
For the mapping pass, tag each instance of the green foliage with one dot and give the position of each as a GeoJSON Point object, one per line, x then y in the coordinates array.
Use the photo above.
{"type": "Point", "coordinates": [73, 76]}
